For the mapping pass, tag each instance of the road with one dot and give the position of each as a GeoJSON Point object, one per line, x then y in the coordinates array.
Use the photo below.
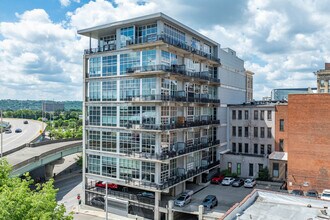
{"type": "Point", "coordinates": [29, 132]}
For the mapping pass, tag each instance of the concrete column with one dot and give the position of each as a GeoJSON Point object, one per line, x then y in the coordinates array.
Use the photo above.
{"type": "Point", "coordinates": [49, 171]}
{"type": "Point", "coordinates": [170, 210]}
{"type": "Point", "coordinates": [200, 212]}
{"type": "Point", "coordinates": [157, 172]}
{"type": "Point", "coordinates": [156, 210]}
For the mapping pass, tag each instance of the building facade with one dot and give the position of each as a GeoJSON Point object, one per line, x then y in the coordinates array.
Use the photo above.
{"type": "Point", "coordinates": [252, 138]}
{"type": "Point", "coordinates": [249, 85]}
{"type": "Point", "coordinates": [282, 94]}
{"type": "Point", "coordinates": [323, 79]}
{"type": "Point", "coordinates": [153, 116]}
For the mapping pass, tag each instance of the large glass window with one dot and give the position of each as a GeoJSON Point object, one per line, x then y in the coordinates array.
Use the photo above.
{"type": "Point", "coordinates": [175, 34]}
{"type": "Point", "coordinates": [109, 90]}
{"type": "Point", "coordinates": [164, 172]}
{"type": "Point", "coordinates": [94, 115]}
{"type": "Point", "coordinates": [128, 61]}
{"type": "Point", "coordinates": [148, 171]}
{"type": "Point", "coordinates": [168, 58]}
{"type": "Point", "coordinates": [109, 141]}
{"type": "Point", "coordinates": [269, 132]}
{"type": "Point", "coordinates": [109, 166]}
{"type": "Point", "coordinates": [148, 143]}
{"type": "Point", "coordinates": [148, 86]}
{"type": "Point", "coordinates": [126, 36]}
{"type": "Point", "coordinates": [148, 115]}
{"type": "Point", "coordinates": [94, 91]}
{"type": "Point", "coordinates": [129, 88]}
{"type": "Point", "coordinates": [109, 65]}
{"type": "Point", "coordinates": [109, 116]}
{"type": "Point", "coordinates": [147, 33]}
{"type": "Point", "coordinates": [148, 57]}
{"type": "Point", "coordinates": [94, 66]}
{"type": "Point", "coordinates": [129, 115]}
{"type": "Point", "coordinates": [93, 164]}
{"type": "Point", "coordinates": [93, 140]}
{"type": "Point", "coordinates": [129, 169]}
{"type": "Point", "coordinates": [129, 143]}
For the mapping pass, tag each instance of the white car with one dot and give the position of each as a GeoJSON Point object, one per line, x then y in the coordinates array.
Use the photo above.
{"type": "Point", "coordinates": [227, 181]}
{"type": "Point", "coordinates": [250, 183]}
{"type": "Point", "coordinates": [325, 194]}
{"type": "Point", "coordinates": [182, 200]}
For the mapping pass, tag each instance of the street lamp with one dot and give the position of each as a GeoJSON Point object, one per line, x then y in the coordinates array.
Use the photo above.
{"type": "Point", "coordinates": [106, 200]}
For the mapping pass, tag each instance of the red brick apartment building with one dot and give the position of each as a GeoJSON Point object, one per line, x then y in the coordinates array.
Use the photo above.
{"type": "Point", "coordinates": [308, 137]}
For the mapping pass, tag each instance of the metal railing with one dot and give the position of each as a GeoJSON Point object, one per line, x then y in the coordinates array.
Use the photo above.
{"type": "Point", "coordinates": [108, 47]}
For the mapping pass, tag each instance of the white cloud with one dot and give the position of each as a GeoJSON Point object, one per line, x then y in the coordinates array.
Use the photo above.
{"type": "Point", "coordinates": [66, 3]}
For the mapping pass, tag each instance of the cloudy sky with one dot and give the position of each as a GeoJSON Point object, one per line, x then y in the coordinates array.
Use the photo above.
{"type": "Point", "coordinates": [282, 41]}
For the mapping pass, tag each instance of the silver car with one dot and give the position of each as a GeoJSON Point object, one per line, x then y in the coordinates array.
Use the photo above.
{"type": "Point", "coordinates": [250, 183]}
{"type": "Point", "coordinates": [182, 200]}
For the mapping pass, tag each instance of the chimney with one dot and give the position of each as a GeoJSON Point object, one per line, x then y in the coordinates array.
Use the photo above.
{"type": "Point", "coordinates": [327, 66]}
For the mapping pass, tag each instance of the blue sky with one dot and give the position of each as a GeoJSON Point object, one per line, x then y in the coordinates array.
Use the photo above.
{"type": "Point", "coordinates": [282, 41]}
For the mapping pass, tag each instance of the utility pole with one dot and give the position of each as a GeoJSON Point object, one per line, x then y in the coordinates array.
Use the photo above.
{"type": "Point", "coordinates": [106, 200]}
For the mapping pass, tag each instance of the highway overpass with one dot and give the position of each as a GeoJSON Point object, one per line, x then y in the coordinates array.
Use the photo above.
{"type": "Point", "coordinates": [41, 154]}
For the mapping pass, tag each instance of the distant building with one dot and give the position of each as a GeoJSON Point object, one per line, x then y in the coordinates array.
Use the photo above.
{"type": "Point", "coordinates": [323, 79]}
{"type": "Point", "coordinates": [249, 85]}
{"type": "Point", "coordinates": [282, 94]}
{"type": "Point", "coordinates": [52, 106]}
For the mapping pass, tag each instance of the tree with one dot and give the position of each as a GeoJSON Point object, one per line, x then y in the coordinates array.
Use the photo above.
{"type": "Point", "coordinates": [18, 201]}
{"type": "Point", "coordinates": [263, 174]}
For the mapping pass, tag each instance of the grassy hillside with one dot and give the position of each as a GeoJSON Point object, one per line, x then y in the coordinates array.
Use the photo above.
{"type": "Point", "coordinates": [9, 104]}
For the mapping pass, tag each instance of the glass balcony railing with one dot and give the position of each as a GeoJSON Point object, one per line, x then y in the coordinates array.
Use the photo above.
{"type": "Point", "coordinates": [175, 69]}
{"type": "Point", "coordinates": [108, 47]}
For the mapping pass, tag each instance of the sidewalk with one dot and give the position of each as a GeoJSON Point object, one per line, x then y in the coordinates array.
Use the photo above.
{"type": "Point", "coordinates": [88, 210]}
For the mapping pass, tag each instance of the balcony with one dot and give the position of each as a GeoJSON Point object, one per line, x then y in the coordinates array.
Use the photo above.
{"type": "Point", "coordinates": [176, 70]}
{"type": "Point", "coordinates": [177, 150]}
{"type": "Point", "coordinates": [157, 38]}
{"type": "Point", "coordinates": [178, 96]}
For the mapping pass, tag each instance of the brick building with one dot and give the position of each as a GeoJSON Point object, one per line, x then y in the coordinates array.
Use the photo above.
{"type": "Point", "coordinates": [309, 143]}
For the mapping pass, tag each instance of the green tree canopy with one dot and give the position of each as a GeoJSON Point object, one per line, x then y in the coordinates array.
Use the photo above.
{"type": "Point", "coordinates": [18, 201]}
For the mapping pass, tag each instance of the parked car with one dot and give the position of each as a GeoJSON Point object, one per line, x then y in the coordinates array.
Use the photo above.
{"type": "Point", "coordinates": [227, 181]}
{"type": "Point", "coordinates": [147, 195]}
{"type": "Point", "coordinates": [182, 200]}
{"type": "Point", "coordinates": [103, 184]}
{"type": "Point", "coordinates": [312, 193]}
{"type": "Point", "coordinates": [25, 122]}
{"type": "Point", "coordinates": [238, 182]}
{"type": "Point", "coordinates": [217, 179]}
{"type": "Point", "coordinates": [297, 192]}
{"type": "Point", "coordinates": [18, 130]}
{"type": "Point", "coordinates": [210, 201]}
{"type": "Point", "coordinates": [8, 131]}
{"type": "Point", "coordinates": [98, 201]}
{"type": "Point", "coordinates": [325, 194]}
{"type": "Point", "coordinates": [250, 183]}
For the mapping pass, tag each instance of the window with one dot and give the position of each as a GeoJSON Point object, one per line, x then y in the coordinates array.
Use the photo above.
{"type": "Point", "coordinates": [240, 131]}
{"type": "Point", "coordinates": [147, 33]}
{"type": "Point", "coordinates": [262, 149]}
{"type": "Point", "coordinates": [281, 145]}
{"type": "Point", "coordinates": [269, 132]}
{"type": "Point", "coordinates": [129, 143]}
{"type": "Point", "coordinates": [94, 115]}
{"type": "Point", "coordinates": [94, 140]}
{"type": "Point", "coordinates": [176, 36]}
{"type": "Point", "coordinates": [246, 131]}
{"type": "Point", "coordinates": [246, 148]}
{"type": "Point", "coordinates": [94, 91]}
{"type": "Point", "coordinates": [128, 61]}
{"type": "Point", "coordinates": [239, 114]}
{"type": "Point", "coordinates": [255, 115]}
{"type": "Point", "coordinates": [238, 172]}
{"type": "Point", "coordinates": [269, 115]}
{"type": "Point", "coordinates": [229, 167]}
{"type": "Point", "coordinates": [109, 65]}
{"type": "Point", "coordinates": [129, 88]}
{"type": "Point", "coordinates": [126, 36]}
{"type": "Point", "coordinates": [93, 164]}
{"type": "Point", "coordinates": [148, 143]}
{"type": "Point", "coordinates": [148, 86]}
{"type": "Point", "coordinates": [275, 170]}
{"type": "Point", "coordinates": [129, 115]}
{"type": "Point", "coordinates": [239, 147]}
{"type": "Point", "coordinates": [109, 116]}
{"type": "Point", "coordinates": [109, 90]}
{"type": "Point", "coordinates": [322, 83]}
{"type": "Point", "coordinates": [262, 132]}
{"type": "Point", "coordinates": [255, 151]}
{"type": "Point", "coordinates": [260, 167]}
{"type": "Point", "coordinates": [164, 172]}
{"type": "Point", "coordinates": [109, 166]}
{"type": "Point", "coordinates": [255, 131]}
{"type": "Point", "coordinates": [234, 131]}
{"type": "Point", "coordinates": [168, 58]}
{"type": "Point", "coordinates": [95, 66]}
{"type": "Point", "coordinates": [262, 115]}
{"type": "Point", "coordinates": [234, 147]}
{"type": "Point", "coordinates": [281, 124]}
{"type": "Point", "coordinates": [269, 149]}
{"type": "Point", "coordinates": [148, 171]}
{"type": "Point", "coordinates": [246, 114]}
{"type": "Point", "coordinates": [148, 58]}
{"type": "Point", "coordinates": [233, 114]}
{"type": "Point", "coordinates": [149, 115]}
{"type": "Point", "coordinates": [109, 141]}
{"type": "Point", "coordinates": [250, 169]}
{"type": "Point", "coordinates": [129, 168]}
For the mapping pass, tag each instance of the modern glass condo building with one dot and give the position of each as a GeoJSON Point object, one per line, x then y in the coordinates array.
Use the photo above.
{"type": "Point", "coordinates": [152, 111]}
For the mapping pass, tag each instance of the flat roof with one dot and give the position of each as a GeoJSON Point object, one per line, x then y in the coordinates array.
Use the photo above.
{"type": "Point", "coordinates": [276, 155]}
{"type": "Point", "coordinates": [268, 205]}
{"type": "Point", "coordinates": [260, 104]}
{"type": "Point", "coordinates": [101, 30]}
